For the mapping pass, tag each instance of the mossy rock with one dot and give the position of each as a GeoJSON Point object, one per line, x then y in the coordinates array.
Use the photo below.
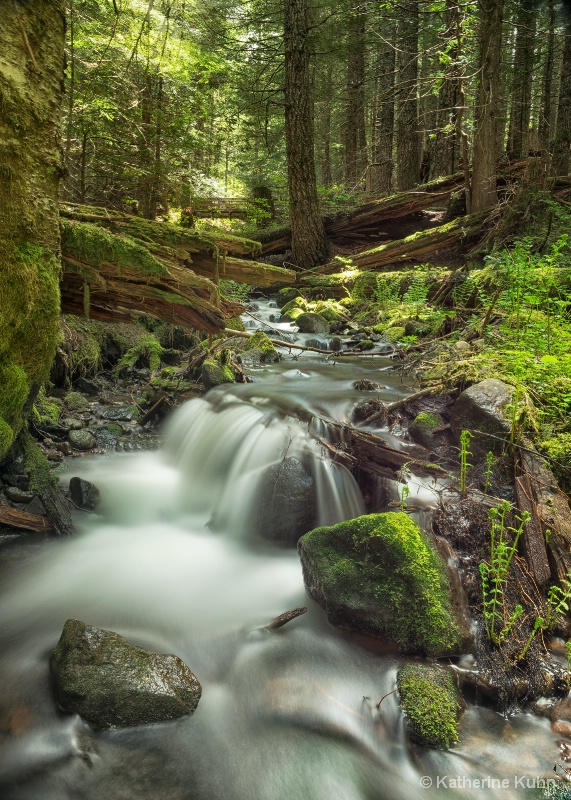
{"type": "Point", "coordinates": [147, 352]}
{"type": "Point", "coordinates": [297, 302]}
{"type": "Point", "coordinates": [76, 402]}
{"type": "Point", "coordinates": [423, 427]}
{"type": "Point", "coordinates": [431, 703]}
{"type": "Point", "coordinates": [312, 323]}
{"type": "Point", "coordinates": [394, 333]}
{"type": "Point", "coordinates": [559, 448]}
{"type": "Point", "coordinates": [112, 683]}
{"type": "Point", "coordinates": [261, 347]}
{"type": "Point", "coordinates": [366, 344]}
{"type": "Point", "coordinates": [378, 574]}
{"type": "Point", "coordinates": [286, 295]}
{"type": "Point", "coordinates": [329, 310]}
{"type": "Point", "coordinates": [217, 370]}
{"type": "Point", "coordinates": [292, 314]}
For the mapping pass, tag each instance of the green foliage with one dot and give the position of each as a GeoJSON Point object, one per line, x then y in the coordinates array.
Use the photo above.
{"type": "Point", "coordinates": [429, 698]}
{"type": "Point", "coordinates": [490, 463]}
{"type": "Point", "coordinates": [558, 448]}
{"type": "Point", "coordinates": [494, 574]}
{"type": "Point", "coordinates": [558, 601]}
{"type": "Point", "coordinates": [405, 492]}
{"type": "Point", "coordinates": [465, 437]}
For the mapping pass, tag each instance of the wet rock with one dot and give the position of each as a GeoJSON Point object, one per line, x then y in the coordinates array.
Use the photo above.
{"type": "Point", "coordinates": [483, 407]}
{"type": "Point", "coordinates": [335, 344]}
{"type": "Point", "coordinates": [366, 409]}
{"type": "Point", "coordinates": [286, 295]}
{"type": "Point", "coordinates": [112, 683]}
{"type": "Point", "coordinates": [86, 386]}
{"type": "Point", "coordinates": [76, 401]}
{"type": "Point", "coordinates": [21, 481]}
{"type": "Point", "coordinates": [260, 348]}
{"type": "Point", "coordinates": [431, 702]}
{"type": "Point", "coordinates": [215, 373]}
{"type": "Point", "coordinates": [73, 423]}
{"type": "Point", "coordinates": [312, 323]}
{"type": "Point", "coordinates": [378, 574]}
{"type": "Point", "coordinates": [82, 440]}
{"type": "Point", "coordinates": [16, 495]}
{"type": "Point", "coordinates": [423, 429]}
{"type": "Point", "coordinates": [84, 494]}
{"type": "Point", "coordinates": [561, 728]}
{"type": "Point", "coordinates": [365, 385]}
{"type": "Point", "coordinates": [123, 413]}
{"type": "Point", "coordinates": [288, 505]}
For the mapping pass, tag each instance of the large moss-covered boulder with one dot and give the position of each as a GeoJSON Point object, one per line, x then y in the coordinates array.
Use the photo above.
{"type": "Point", "coordinates": [112, 683]}
{"type": "Point", "coordinates": [218, 369]}
{"type": "Point", "coordinates": [378, 574]}
{"type": "Point", "coordinates": [484, 407]}
{"type": "Point", "coordinates": [260, 347]}
{"type": "Point", "coordinates": [431, 702]}
{"type": "Point", "coordinates": [312, 323]}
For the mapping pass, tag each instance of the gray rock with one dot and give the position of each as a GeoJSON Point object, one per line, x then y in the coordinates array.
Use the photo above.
{"type": "Point", "coordinates": [84, 494]}
{"type": "Point", "coordinates": [112, 683]}
{"type": "Point", "coordinates": [72, 423]}
{"type": "Point", "coordinates": [462, 347]}
{"type": "Point", "coordinates": [424, 427]}
{"type": "Point", "coordinates": [16, 495]}
{"type": "Point", "coordinates": [86, 386]}
{"type": "Point", "coordinates": [312, 323]}
{"type": "Point", "coordinates": [335, 344]}
{"type": "Point", "coordinates": [82, 440]}
{"type": "Point", "coordinates": [287, 509]}
{"type": "Point", "coordinates": [21, 481]}
{"type": "Point", "coordinates": [484, 407]}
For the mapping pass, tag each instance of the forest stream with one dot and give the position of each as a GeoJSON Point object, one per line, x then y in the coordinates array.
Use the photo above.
{"type": "Point", "coordinates": [175, 564]}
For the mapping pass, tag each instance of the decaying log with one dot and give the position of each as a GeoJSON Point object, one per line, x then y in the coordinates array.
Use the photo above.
{"type": "Point", "coordinates": [533, 537]}
{"type": "Point", "coordinates": [254, 273]}
{"type": "Point", "coordinates": [22, 519]}
{"type": "Point", "coordinates": [460, 233]}
{"type": "Point", "coordinates": [550, 512]}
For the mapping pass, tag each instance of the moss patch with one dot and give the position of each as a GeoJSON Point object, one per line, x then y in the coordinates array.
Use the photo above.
{"type": "Point", "coordinates": [259, 343]}
{"type": "Point", "coordinates": [379, 574]}
{"type": "Point", "coordinates": [147, 352]}
{"type": "Point", "coordinates": [430, 701]}
{"type": "Point", "coordinates": [559, 449]}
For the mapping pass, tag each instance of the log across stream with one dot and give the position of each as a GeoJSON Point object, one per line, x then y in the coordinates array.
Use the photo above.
{"type": "Point", "coordinates": [177, 563]}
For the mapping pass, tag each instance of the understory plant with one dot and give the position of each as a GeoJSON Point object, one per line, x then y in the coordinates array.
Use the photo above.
{"type": "Point", "coordinates": [495, 573]}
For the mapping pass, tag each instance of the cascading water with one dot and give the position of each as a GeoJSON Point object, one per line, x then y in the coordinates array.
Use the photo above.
{"type": "Point", "coordinates": [174, 566]}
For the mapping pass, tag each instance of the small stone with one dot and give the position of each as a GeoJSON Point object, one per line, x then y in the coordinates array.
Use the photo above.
{"type": "Point", "coordinates": [561, 728]}
{"type": "Point", "coordinates": [82, 440]}
{"type": "Point", "coordinates": [16, 495]}
{"type": "Point", "coordinates": [84, 494]}
{"type": "Point", "coordinates": [72, 423]}
{"type": "Point", "coordinates": [64, 448]}
{"type": "Point", "coordinates": [463, 347]}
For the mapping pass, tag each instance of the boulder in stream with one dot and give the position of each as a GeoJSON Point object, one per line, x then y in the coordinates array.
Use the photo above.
{"type": "Point", "coordinates": [287, 510]}
{"type": "Point", "coordinates": [84, 494]}
{"type": "Point", "coordinates": [112, 683]}
{"type": "Point", "coordinates": [312, 323]}
{"type": "Point", "coordinates": [483, 407]}
{"type": "Point", "coordinates": [378, 574]}
{"type": "Point", "coordinates": [431, 702]}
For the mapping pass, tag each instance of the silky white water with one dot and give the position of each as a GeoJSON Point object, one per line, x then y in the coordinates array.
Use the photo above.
{"type": "Point", "coordinates": [173, 564]}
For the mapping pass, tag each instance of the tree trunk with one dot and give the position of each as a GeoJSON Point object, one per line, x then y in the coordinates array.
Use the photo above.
{"type": "Point", "coordinates": [309, 246]}
{"type": "Point", "coordinates": [407, 129]}
{"type": "Point", "coordinates": [326, 174]}
{"type": "Point", "coordinates": [355, 141]}
{"type": "Point", "coordinates": [547, 100]}
{"type": "Point", "coordinates": [31, 75]}
{"type": "Point", "coordinates": [446, 145]}
{"type": "Point", "coordinates": [483, 194]}
{"type": "Point", "coordinates": [146, 156]}
{"type": "Point", "coordinates": [518, 139]}
{"type": "Point", "coordinates": [562, 142]}
{"type": "Point", "coordinates": [384, 120]}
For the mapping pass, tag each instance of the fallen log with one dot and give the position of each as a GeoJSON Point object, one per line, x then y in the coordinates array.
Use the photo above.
{"type": "Point", "coordinates": [282, 619]}
{"type": "Point", "coordinates": [15, 518]}
{"type": "Point", "coordinates": [254, 273]}
{"type": "Point", "coordinates": [460, 233]}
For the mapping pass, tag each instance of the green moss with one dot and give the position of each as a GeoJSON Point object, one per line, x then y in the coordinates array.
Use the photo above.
{"type": "Point", "coordinates": [37, 467]}
{"type": "Point", "coordinates": [6, 436]}
{"type": "Point", "coordinates": [29, 314]}
{"type": "Point", "coordinates": [427, 421]}
{"type": "Point", "coordinates": [559, 449]}
{"type": "Point", "coordinates": [366, 344]}
{"type": "Point", "coordinates": [394, 333]}
{"type": "Point", "coordinates": [430, 700]}
{"type": "Point", "coordinates": [76, 401]}
{"type": "Point", "coordinates": [147, 351]}
{"type": "Point", "coordinates": [298, 303]}
{"type": "Point", "coordinates": [286, 295]}
{"type": "Point", "coordinates": [235, 324]}
{"type": "Point", "coordinates": [93, 246]}
{"type": "Point", "coordinates": [386, 580]}
{"type": "Point", "coordinates": [261, 344]}
{"type": "Point", "coordinates": [46, 411]}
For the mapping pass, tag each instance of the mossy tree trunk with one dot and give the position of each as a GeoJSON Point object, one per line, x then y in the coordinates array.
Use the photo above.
{"type": "Point", "coordinates": [31, 75]}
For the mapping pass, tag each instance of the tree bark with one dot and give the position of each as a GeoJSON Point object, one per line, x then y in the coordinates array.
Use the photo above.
{"type": "Point", "coordinates": [31, 75]}
{"type": "Point", "coordinates": [355, 141]}
{"type": "Point", "coordinates": [483, 190]}
{"type": "Point", "coordinates": [546, 113]}
{"type": "Point", "coordinates": [446, 145]}
{"type": "Point", "coordinates": [407, 127]}
{"type": "Point", "coordinates": [309, 246]}
{"type": "Point", "coordinates": [562, 142]}
{"type": "Point", "coordinates": [381, 172]}
{"type": "Point", "coordinates": [518, 138]}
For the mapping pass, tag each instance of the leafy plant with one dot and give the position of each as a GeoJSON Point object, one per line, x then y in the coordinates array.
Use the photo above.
{"type": "Point", "coordinates": [494, 575]}
{"type": "Point", "coordinates": [465, 437]}
{"type": "Point", "coordinates": [490, 463]}
{"type": "Point", "coordinates": [405, 492]}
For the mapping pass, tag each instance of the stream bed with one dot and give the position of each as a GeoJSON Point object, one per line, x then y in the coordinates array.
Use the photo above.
{"type": "Point", "coordinates": [174, 562]}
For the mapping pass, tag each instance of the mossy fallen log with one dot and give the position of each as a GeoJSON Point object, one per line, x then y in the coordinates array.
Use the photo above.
{"type": "Point", "coordinates": [461, 233]}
